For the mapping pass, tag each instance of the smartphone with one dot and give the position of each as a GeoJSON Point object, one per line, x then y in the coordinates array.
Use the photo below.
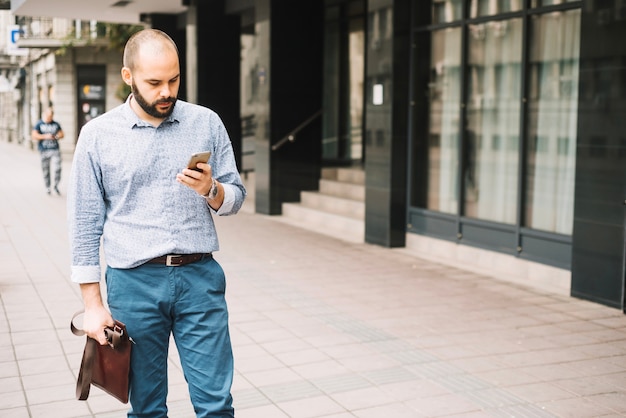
{"type": "Point", "coordinates": [198, 157]}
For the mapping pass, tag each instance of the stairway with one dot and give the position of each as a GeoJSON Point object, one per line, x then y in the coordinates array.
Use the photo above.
{"type": "Point", "coordinates": [337, 209]}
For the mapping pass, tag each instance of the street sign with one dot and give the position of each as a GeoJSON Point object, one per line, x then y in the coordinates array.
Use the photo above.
{"type": "Point", "coordinates": [14, 32]}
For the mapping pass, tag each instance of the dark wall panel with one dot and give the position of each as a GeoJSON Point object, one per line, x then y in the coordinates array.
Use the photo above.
{"type": "Point", "coordinates": [386, 126]}
{"type": "Point", "coordinates": [218, 58]}
{"type": "Point", "coordinates": [598, 238]}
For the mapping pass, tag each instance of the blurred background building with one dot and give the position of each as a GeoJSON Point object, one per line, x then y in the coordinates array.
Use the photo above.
{"type": "Point", "coordinates": [488, 133]}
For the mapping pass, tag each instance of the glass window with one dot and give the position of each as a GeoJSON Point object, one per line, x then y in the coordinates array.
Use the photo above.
{"type": "Point", "coordinates": [446, 10]}
{"type": "Point", "coordinates": [344, 72]}
{"type": "Point", "coordinates": [330, 104]}
{"type": "Point", "coordinates": [493, 109]}
{"type": "Point", "coordinates": [552, 107]}
{"type": "Point", "coordinates": [493, 7]}
{"type": "Point", "coordinates": [540, 3]}
{"type": "Point", "coordinates": [445, 93]}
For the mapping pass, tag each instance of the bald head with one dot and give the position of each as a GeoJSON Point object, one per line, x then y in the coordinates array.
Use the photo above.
{"type": "Point", "coordinates": [47, 115]}
{"type": "Point", "coordinates": [152, 41]}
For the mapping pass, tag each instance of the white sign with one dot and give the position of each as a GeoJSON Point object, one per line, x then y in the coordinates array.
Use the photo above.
{"type": "Point", "coordinates": [13, 35]}
{"type": "Point", "coordinates": [377, 94]}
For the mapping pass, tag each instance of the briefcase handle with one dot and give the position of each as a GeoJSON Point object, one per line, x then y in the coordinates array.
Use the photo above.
{"type": "Point", "coordinates": [114, 334]}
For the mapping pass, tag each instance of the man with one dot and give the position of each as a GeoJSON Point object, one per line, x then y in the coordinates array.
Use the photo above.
{"type": "Point", "coordinates": [129, 185]}
{"type": "Point", "coordinates": [47, 133]}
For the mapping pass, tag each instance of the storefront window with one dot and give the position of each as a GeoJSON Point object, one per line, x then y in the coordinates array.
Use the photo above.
{"type": "Point", "coordinates": [553, 100]}
{"type": "Point", "coordinates": [493, 7]}
{"type": "Point", "coordinates": [444, 134]}
{"type": "Point", "coordinates": [540, 3]}
{"type": "Point", "coordinates": [493, 111]}
{"type": "Point", "coordinates": [446, 10]}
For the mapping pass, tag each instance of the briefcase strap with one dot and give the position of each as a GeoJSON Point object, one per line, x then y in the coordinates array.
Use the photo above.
{"type": "Point", "coordinates": [83, 384]}
{"type": "Point", "coordinates": [84, 375]}
{"type": "Point", "coordinates": [76, 331]}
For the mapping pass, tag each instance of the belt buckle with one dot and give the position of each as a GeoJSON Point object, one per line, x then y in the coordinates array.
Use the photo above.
{"type": "Point", "coordinates": [173, 260]}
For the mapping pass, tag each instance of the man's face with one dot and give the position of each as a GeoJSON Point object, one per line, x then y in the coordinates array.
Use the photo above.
{"type": "Point", "coordinates": [155, 82]}
{"type": "Point", "coordinates": [161, 108]}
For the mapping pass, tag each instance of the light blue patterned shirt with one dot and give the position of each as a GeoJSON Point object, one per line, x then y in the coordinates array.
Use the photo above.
{"type": "Point", "coordinates": [123, 188]}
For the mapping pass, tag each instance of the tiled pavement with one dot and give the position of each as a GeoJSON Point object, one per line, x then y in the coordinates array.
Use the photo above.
{"type": "Point", "coordinates": [320, 328]}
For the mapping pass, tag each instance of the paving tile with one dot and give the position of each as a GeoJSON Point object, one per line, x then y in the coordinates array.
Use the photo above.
{"type": "Point", "coordinates": [506, 377]}
{"type": "Point", "coordinates": [575, 408]}
{"type": "Point", "coordinates": [320, 369]}
{"type": "Point", "coordinates": [46, 380]}
{"type": "Point", "coordinates": [552, 372]}
{"type": "Point", "coordinates": [36, 350]}
{"type": "Point", "coordinates": [42, 365]}
{"type": "Point", "coordinates": [341, 383]}
{"type": "Point", "coordinates": [16, 413]}
{"type": "Point", "coordinates": [396, 410]}
{"type": "Point", "coordinates": [266, 411]}
{"type": "Point", "coordinates": [443, 405]}
{"type": "Point", "coordinates": [8, 368]}
{"type": "Point", "coordinates": [282, 375]}
{"type": "Point", "coordinates": [363, 398]}
{"type": "Point", "coordinates": [44, 395]}
{"type": "Point", "coordinates": [310, 407]}
{"type": "Point", "coordinates": [592, 385]}
{"type": "Point", "coordinates": [541, 392]}
{"type": "Point", "coordinates": [12, 400]}
{"type": "Point", "coordinates": [615, 401]}
{"type": "Point", "coordinates": [9, 384]}
{"type": "Point", "coordinates": [61, 409]}
{"type": "Point", "coordinates": [244, 399]}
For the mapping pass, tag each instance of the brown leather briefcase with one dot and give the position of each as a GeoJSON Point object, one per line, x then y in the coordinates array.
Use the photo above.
{"type": "Point", "coordinates": [105, 366]}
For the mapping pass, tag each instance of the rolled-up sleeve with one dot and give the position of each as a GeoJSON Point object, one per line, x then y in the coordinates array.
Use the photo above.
{"type": "Point", "coordinates": [86, 213]}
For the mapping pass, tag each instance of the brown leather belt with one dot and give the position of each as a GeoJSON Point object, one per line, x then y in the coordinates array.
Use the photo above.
{"type": "Point", "coordinates": [173, 260]}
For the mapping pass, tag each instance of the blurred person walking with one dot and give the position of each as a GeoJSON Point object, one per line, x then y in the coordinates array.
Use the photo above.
{"type": "Point", "coordinates": [47, 133]}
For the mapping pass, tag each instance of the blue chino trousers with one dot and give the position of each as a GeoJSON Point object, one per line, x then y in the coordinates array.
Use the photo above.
{"type": "Point", "coordinates": [156, 301]}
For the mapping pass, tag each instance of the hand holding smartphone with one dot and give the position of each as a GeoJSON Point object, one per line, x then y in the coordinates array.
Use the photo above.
{"type": "Point", "coordinates": [198, 157]}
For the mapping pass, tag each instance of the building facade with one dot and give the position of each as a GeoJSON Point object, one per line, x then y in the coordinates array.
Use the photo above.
{"type": "Point", "coordinates": [485, 129]}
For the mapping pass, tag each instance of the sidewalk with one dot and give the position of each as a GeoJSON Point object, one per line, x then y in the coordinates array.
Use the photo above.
{"type": "Point", "coordinates": [320, 328]}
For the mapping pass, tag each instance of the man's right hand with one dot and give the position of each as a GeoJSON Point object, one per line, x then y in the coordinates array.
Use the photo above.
{"type": "Point", "coordinates": [95, 320]}
{"type": "Point", "coordinates": [96, 317]}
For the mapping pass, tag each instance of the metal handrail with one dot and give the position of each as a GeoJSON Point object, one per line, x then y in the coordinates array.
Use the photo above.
{"type": "Point", "coordinates": [291, 136]}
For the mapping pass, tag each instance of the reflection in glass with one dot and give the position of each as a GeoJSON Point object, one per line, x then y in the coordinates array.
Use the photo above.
{"type": "Point", "coordinates": [354, 123]}
{"type": "Point", "coordinates": [492, 7]}
{"type": "Point", "coordinates": [446, 10]}
{"type": "Point", "coordinates": [445, 93]}
{"type": "Point", "coordinates": [553, 107]}
{"type": "Point", "coordinates": [493, 110]}
{"type": "Point", "coordinates": [539, 3]}
{"type": "Point", "coordinates": [330, 100]}
{"type": "Point", "coordinates": [344, 69]}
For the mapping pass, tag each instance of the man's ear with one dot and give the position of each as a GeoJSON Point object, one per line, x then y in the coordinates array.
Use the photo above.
{"type": "Point", "coordinates": [127, 76]}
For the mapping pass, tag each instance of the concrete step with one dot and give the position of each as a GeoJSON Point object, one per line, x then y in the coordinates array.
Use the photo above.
{"type": "Point", "coordinates": [344, 175]}
{"type": "Point", "coordinates": [330, 224]}
{"type": "Point", "coordinates": [337, 209]}
{"type": "Point", "coordinates": [338, 205]}
{"type": "Point", "coordinates": [344, 190]}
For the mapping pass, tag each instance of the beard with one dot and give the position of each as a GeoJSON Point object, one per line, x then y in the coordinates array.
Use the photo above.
{"type": "Point", "coordinates": [151, 108]}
